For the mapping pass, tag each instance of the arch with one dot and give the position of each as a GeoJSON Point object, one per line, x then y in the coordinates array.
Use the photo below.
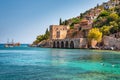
{"type": "Point", "coordinates": [62, 44]}
{"type": "Point", "coordinates": [54, 45]}
{"type": "Point", "coordinates": [58, 45]}
{"type": "Point", "coordinates": [72, 44]}
{"type": "Point", "coordinates": [66, 44]}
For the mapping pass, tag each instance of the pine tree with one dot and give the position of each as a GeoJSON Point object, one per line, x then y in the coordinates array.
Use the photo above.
{"type": "Point", "coordinates": [66, 22]}
{"type": "Point", "coordinates": [47, 31]}
{"type": "Point", "coordinates": [60, 21]}
{"type": "Point", "coordinates": [98, 5]}
{"type": "Point", "coordinates": [81, 15]}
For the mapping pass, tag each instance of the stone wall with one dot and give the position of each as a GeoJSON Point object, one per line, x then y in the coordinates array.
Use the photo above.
{"type": "Point", "coordinates": [58, 31]}
{"type": "Point", "coordinates": [69, 43]}
{"type": "Point", "coordinates": [111, 42]}
{"type": "Point", "coordinates": [116, 35]}
{"type": "Point", "coordinates": [74, 34]}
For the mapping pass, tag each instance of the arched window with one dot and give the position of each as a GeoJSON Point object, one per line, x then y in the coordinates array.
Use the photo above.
{"type": "Point", "coordinates": [54, 44]}
{"type": "Point", "coordinates": [71, 44]}
{"type": "Point", "coordinates": [62, 44]}
{"type": "Point", "coordinates": [58, 45]}
{"type": "Point", "coordinates": [66, 44]}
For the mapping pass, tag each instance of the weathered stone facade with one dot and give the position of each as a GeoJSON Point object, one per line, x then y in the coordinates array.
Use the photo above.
{"type": "Point", "coordinates": [115, 35]}
{"type": "Point", "coordinates": [58, 31]}
{"type": "Point", "coordinates": [59, 38]}
{"type": "Point", "coordinates": [62, 36]}
{"type": "Point", "coordinates": [111, 42]}
{"type": "Point", "coordinates": [69, 43]}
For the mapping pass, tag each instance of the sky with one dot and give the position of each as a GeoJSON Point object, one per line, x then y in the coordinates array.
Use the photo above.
{"type": "Point", "coordinates": [23, 20]}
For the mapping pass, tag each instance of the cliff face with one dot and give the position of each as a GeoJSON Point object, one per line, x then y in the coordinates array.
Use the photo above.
{"type": "Point", "coordinates": [44, 43]}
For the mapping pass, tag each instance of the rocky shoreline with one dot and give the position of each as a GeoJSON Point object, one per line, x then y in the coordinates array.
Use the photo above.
{"type": "Point", "coordinates": [108, 44]}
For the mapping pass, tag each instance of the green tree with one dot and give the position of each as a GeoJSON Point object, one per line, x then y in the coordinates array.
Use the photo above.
{"type": "Point", "coordinates": [98, 5]}
{"type": "Point", "coordinates": [60, 21]}
{"type": "Point", "coordinates": [115, 27]}
{"type": "Point", "coordinates": [47, 34]}
{"type": "Point", "coordinates": [95, 34]}
{"type": "Point", "coordinates": [113, 17]}
{"type": "Point", "coordinates": [66, 22]}
{"type": "Point", "coordinates": [105, 30]}
{"type": "Point", "coordinates": [46, 31]}
{"type": "Point", "coordinates": [42, 37]}
{"type": "Point", "coordinates": [117, 9]}
{"type": "Point", "coordinates": [81, 15]}
{"type": "Point", "coordinates": [104, 14]}
{"type": "Point", "coordinates": [113, 24]}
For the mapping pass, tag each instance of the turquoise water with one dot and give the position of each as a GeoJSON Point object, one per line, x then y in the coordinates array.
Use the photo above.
{"type": "Point", "coordinates": [25, 63]}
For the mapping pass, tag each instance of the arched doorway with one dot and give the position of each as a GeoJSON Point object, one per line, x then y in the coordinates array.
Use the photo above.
{"type": "Point", "coordinates": [72, 44]}
{"type": "Point", "coordinates": [62, 44]}
{"type": "Point", "coordinates": [58, 45]}
{"type": "Point", "coordinates": [66, 44]}
{"type": "Point", "coordinates": [54, 44]}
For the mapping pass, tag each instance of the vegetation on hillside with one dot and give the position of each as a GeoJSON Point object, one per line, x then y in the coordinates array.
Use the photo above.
{"type": "Point", "coordinates": [108, 21]}
{"type": "Point", "coordinates": [95, 34]}
{"type": "Point", "coordinates": [42, 37]}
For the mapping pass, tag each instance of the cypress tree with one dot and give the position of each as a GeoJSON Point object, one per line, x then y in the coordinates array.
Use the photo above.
{"type": "Point", "coordinates": [81, 15]}
{"type": "Point", "coordinates": [46, 31]}
{"type": "Point", "coordinates": [60, 21]}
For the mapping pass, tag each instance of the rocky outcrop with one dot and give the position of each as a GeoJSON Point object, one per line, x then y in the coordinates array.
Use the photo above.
{"type": "Point", "coordinates": [111, 43]}
{"type": "Point", "coordinates": [93, 44]}
{"type": "Point", "coordinates": [44, 43]}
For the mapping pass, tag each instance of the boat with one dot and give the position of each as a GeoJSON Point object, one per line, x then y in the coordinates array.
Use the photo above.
{"type": "Point", "coordinates": [9, 44]}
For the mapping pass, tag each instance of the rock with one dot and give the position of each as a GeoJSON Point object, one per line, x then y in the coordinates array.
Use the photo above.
{"type": "Point", "coordinates": [111, 43]}
{"type": "Point", "coordinates": [93, 44]}
{"type": "Point", "coordinates": [44, 43]}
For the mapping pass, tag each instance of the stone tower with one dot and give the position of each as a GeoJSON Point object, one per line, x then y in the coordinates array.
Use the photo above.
{"type": "Point", "coordinates": [58, 31]}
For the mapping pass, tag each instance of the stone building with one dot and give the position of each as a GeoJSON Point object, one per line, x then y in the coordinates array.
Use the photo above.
{"type": "Point", "coordinates": [92, 14]}
{"type": "Point", "coordinates": [70, 43]}
{"type": "Point", "coordinates": [59, 38]}
{"type": "Point", "coordinates": [58, 31]}
{"type": "Point", "coordinates": [62, 36]}
{"type": "Point", "coordinates": [111, 3]}
{"type": "Point", "coordinates": [84, 26]}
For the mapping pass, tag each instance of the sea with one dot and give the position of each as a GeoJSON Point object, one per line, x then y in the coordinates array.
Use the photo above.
{"type": "Point", "coordinates": [31, 63]}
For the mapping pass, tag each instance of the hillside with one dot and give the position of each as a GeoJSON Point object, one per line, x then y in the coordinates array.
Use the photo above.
{"type": "Point", "coordinates": [105, 17]}
{"type": "Point", "coordinates": [108, 21]}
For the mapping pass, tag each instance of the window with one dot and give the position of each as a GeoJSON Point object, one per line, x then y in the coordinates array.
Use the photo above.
{"type": "Point", "coordinates": [58, 34]}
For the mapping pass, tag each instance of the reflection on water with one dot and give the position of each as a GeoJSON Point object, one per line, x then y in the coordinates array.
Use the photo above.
{"type": "Point", "coordinates": [97, 57]}
{"type": "Point", "coordinates": [57, 59]}
{"type": "Point", "coordinates": [58, 64]}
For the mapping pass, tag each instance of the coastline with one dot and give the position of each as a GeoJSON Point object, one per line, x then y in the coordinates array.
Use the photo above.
{"type": "Point", "coordinates": [79, 48]}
